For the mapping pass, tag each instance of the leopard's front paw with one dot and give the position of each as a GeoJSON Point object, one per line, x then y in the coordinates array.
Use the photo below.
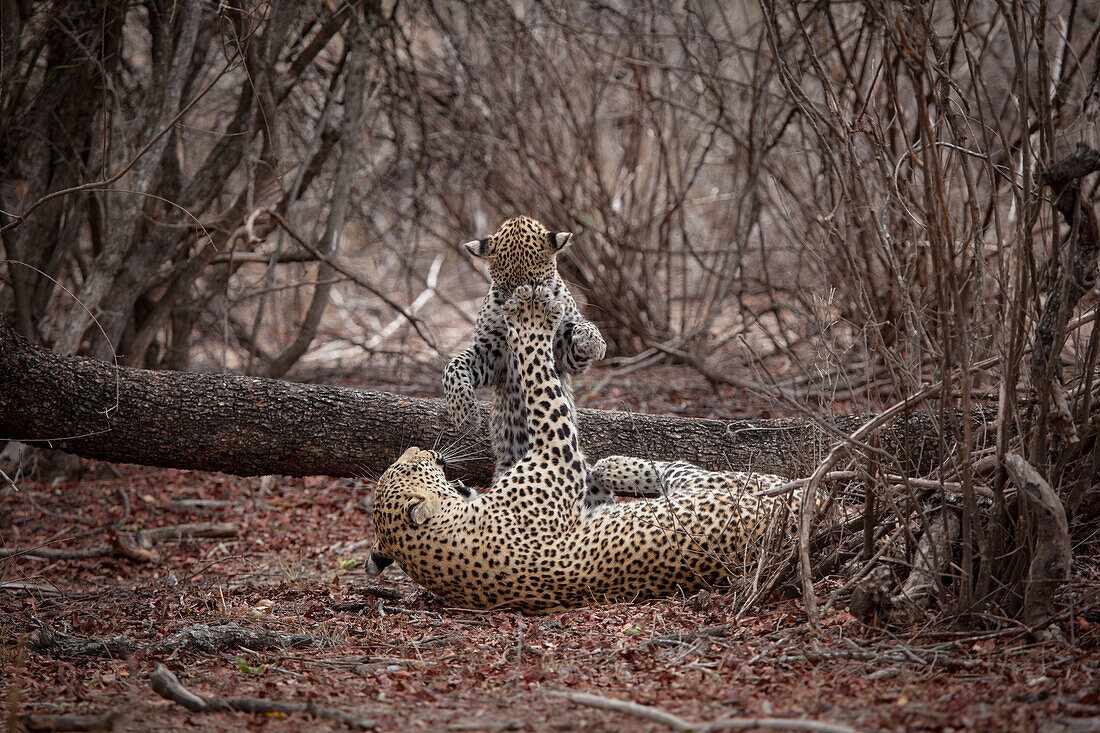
{"type": "Point", "coordinates": [515, 303]}
{"type": "Point", "coordinates": [536, 310]}
{"type": "Point", "coordinates": [588, 344]}
{"type": "Point", "coordinates": [458, 389]}
{"type": "Point", "coordinates": [553, 306]}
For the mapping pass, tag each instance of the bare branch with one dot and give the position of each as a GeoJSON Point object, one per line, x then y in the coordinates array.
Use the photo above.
{"type": "Point", "coordinates": [168, 686]}
{"type": "Point", "coordinates": [656, 715]}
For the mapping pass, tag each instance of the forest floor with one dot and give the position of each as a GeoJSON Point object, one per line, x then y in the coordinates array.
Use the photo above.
{"type": "Point", "coordinates": [392, 657]}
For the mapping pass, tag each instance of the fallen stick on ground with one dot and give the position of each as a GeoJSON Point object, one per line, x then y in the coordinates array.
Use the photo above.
{"type": "Point", "coordinates": [379, 591]}
{"type": "Point", "coordinates": [136, 547]}
{"type": "Point", "coordinates": [62, 645]}
{"type": "Point", "coordinates": [901, 656]}
{"type": "Point", "coordinates": [202, 638]}
{"type": "Point", "coordinates": [168, 686]}
{"type": "Point", "coordinates": [47, 553]}
{"type": "Point", "coordinates": [369, 592]}
{"type": "Point", "coordinates": [109, 720]}
{"type": "Point", "coordinates": [677, 639]}
{"type": "Point", "coordinates": [19, 586]}
{"type": "Point", "coordinates": [190, 505]}
{"type": "Point", "coordinates": [657, 715]}
{"type": "Point", "coordinates": [196, 529]}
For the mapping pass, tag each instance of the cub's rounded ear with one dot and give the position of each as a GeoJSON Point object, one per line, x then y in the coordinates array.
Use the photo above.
{"type": "Point", "coordinates": [479, 248]}
{"type": "Point", "coordinates": [559, 240]}
{"type": "Point", "coordinates": [421, 512]}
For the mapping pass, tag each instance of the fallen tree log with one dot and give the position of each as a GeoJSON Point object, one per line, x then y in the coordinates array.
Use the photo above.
{"type": "Point", "coordinates": [251, 426]}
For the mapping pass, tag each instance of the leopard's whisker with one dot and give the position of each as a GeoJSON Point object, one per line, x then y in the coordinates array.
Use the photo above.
{"type": "Point", "coordinates": [368, 473]}
{"type": "Point", "coordinates": [464, 432]}
{"type": "Point", "coordinates": [447, 449]}
{"type": "Point", "coordinates": [464, 459]}
{"type": "Point", "coordinates": [463, 449]}
{"type": "Point", "coordinates": [458, 446]}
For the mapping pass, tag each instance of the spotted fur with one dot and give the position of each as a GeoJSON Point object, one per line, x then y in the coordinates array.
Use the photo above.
{"type": "Point", "coordinates": [522, 252]}
{"type": "Point", "coordinates": [530, 543]}
{"type": "Point", "coordinates": [643, 477]}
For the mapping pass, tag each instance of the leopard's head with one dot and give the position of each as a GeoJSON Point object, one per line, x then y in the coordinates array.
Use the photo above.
{"type": "Point", "coordinates": [522, 252]}
{"type": "Point", "coordinates": [413, 503]}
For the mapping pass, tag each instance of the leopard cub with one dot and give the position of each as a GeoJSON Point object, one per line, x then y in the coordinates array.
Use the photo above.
{"type": "Point", "coordinates": [522, 252]}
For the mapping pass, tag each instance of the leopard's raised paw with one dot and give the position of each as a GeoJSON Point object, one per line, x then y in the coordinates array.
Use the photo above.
{"type": "Point", "coordinates": [588, 343]}
{"type": "Point", "coordinates": [544, 294]}
{"type": "Point", "coordinates": [519, 298]}
{"type": "Point", "coordinates": [555, 310]}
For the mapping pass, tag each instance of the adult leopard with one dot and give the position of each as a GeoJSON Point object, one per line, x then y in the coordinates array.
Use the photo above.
{"type": "Point", "coordinates": [530, 543]}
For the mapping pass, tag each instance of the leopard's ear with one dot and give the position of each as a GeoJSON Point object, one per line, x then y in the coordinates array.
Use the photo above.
{"type": "Point", "coordinates": [480, 248]}
{"type": "Point", "coordinates": [410, 453]}
{"type": "Point", "coordinates": [557, 241]}
{"type": "Point", "coordinates": [421, 511]}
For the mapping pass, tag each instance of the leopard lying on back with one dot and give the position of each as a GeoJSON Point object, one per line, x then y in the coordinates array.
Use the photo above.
{"type": "Point", "coordinates": [531, 544]}
{"type": "Point", "coordinates": [522, 252]}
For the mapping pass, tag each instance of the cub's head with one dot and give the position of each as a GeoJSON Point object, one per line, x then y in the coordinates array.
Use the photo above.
{"type": "Point", "coordinates": [522, 252]}
{"type": "Point", "coordinates": [413, 504]}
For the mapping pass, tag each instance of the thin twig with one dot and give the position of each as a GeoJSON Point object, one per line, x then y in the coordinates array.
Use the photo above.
{"type": "Point", "coordinates": [124, 546]}
{"type": "Point", "coordinates": [675, 722]}
{"type": "Point", "coordinates": [338, 265]}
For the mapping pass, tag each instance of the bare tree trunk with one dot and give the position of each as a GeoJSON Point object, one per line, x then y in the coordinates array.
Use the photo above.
{"type": "Point", "coordinates": [178, 33]}
{"type": "Point", "coordinates": [1051, 555]}
{"type": "Point", "coordinates": [351, 143]}
{"type": "Point", "coordinates": [253, 426]}
{"type": "Point", "coordinates": [931, 560]}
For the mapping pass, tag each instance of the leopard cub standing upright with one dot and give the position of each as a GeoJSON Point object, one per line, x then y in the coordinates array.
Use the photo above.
{"type": "Point", "coordinates": [522, 252]}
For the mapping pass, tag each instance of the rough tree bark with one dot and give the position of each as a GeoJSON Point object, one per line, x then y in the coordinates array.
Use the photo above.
{"type": "Point", "coordinates": [1051, 556]}
{"type": "Point", "coordinates": [253, 426]}
{"type": "Point", "coordinates": [1071, 283]}
{"type": "Point", "coordinates": [929, 562]}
